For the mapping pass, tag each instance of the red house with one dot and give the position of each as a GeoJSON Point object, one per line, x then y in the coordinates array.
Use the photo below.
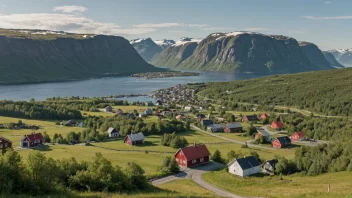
{"type": "Point", "coordinates": [281, 142]}
{"type": "Point", "coordinates": [234, 127]}
{"type": "Point", "coordinates": [264, 116]}
{"type": "Point", "coordinates": [5, 143]}
{"type": "Point", "coordinates": [277, 125]}
{"type": "Point", "coordinates": [192, 156]}
{"type": "Point", "coordinates": [297, 136]}
{"type": "Point", "coordinates": [32, 140]}
{"type": "Point", "coordinates": [134, 139]}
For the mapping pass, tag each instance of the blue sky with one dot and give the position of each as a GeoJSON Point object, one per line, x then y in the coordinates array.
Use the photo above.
{"type": "Point", "coordinates": [327, 23]}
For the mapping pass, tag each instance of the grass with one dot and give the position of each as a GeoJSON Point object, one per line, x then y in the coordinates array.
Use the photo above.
{"type": "Point", "coordinates": [294, 186]}
{"type": "Point", "coordinates": [186, 187]}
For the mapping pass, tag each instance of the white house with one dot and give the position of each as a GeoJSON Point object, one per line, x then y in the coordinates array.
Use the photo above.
{"type": "Point", "coordinates": [244, 166]}
{"type": "Point", "coordinates": [113, 133]}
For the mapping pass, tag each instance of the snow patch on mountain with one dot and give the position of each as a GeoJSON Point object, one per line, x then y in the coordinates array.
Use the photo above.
{"type": "Point", "coordinates": [185, 40]}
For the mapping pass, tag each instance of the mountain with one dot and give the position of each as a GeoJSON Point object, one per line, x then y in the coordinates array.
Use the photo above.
{"type": "Point", "coordinates": [332, 60]}
{"type": "Point", "coordinates": [165, 43]}
{"type": "Point", "coordinates": [243, 52]}
{"type": "Point", "coordinates": [343, 56]}
{"type": "Point", "coordinates": [314, 55]}
{"type": "Point", "coordinates": [177, 53]}
{"type": "Point", "coordinates": [147, 48]}
{"type": "Point", "coordinates": [30, 57]}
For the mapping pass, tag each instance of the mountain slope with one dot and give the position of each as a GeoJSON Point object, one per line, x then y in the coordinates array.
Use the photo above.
{"type": "Point", "coordinates": [175, 54]}
{"type": "Point", "coordinates": [245, 52]}
{"type": "Point", "coordinates": [146, 48]}
{"type": "Point", "coordinates": [26, 59]}
{"type": "Point", "coordinates": [315, 56]}
{"type": "Point", "coordinates": [165, 43]}
{"type": "Point", "coordinates": [332, 60]}
{"type": "Point", "coordinates": [343, 56]}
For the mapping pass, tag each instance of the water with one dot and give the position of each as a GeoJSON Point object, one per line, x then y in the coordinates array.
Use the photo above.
{"type": "Point", "coordinates": [109, 86]}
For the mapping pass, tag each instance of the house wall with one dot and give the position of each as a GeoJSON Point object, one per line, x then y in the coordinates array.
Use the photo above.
{"type": "Point", "coordinates": [127, 141]}
{"type": "Point", "coordinates": [198, 161]}
{"type": "Point", "coordinates": [276, 144]}
{"type": "Point", "coordinates": [235, 169]}
{"type": "Point", "coordinates": [251, 171]}
{"type": "Point", "coordinates": [181, 159]}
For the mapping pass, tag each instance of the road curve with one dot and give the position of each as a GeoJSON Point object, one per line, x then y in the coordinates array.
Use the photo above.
{"type": "Point", "coordinates": [197, 177]}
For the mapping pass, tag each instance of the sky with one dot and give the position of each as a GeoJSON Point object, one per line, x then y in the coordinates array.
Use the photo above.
{"type": "Point", "coordinates": [327, 23]}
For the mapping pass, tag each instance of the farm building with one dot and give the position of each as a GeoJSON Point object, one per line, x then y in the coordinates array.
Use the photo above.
{"type": "Point", "coordinates": [264, 116]}
{"type": "Point", "coordinates": [216, 128]}
{"type": "Point", "coordinates": [149, 103]}
{"type": "Point", "coordinates": [244, 166]}
{"type": "Point", "coordinates": [159, 103]}
{"type": "Point", "coordinates": [5, 143]}
{"type": "Point", "coordinates": [297, 136]}
{"type": "Point", "coordinates": [148, 111]}
{"type": "Point", "coordinates": [263, 133]}
{"type": "Point", "coordinates": [32, 140]}
{"type": "Point", "coordinates": [249, 118]}
{"type": "Point", "coordinates": [233, 127]}
{"type": "Point", "coordinates": [269, 166]}
{"type": "Point", "coordinates": [192, 156]}
{"type": "Point", "coordinates": [108, 109]}
{"type": "Point", "coordinates": [200, 117]}
{"type": "Point", "coordinates": [206, 122]}
{"type": "Point", "coordinates": [70, 123]}
{"type": "Point", "coordinates": [281, 142]}
{"type": "Point", "coordinates": [113, 133]}
{"type": "Point", "coordinates": [134, 139]}
{"type": "Point", "coordinates": [277, 125]}
{"type": "Point", "coordinates": [188, 108]}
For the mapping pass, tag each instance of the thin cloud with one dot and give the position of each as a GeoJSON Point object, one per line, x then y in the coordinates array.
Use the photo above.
{"type": "Point", "coordinates": [176, 31]}
{"type": "Point", "coordinates": [167, 25]}
{"type": "Point", "coordinates": [3, 6]}
{"type": "Point", "coordinates": [327, 2]}
{"type": "Point", "coordinates": [297, 32]}
{"type": "Point", "coordinates": [327, 18]}
{"type": "Point", "coordinates": [70, 9]}
{"type": "Point", "coordinates": [67, 22]}
{"type": "Point", "coordinates": [218, 28]}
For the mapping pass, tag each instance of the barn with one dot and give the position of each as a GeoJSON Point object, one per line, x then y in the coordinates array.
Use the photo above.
{"type": "Point", "coordinates": [5, 143]}
{"type": "Point", "coordinates": [192, 156]}
{"type": "Point", "coordinates": [233, 127]}
{"type": "Point", "coordinates": [244, 166]}
{"type": "Point", "coordinates": [281, 142]}
{"type": "Point", "coordinates": [277, 125]}
{"type": "Point", "coordinates": [249, 118]}
{"type": "Point", "coordinates": [215, 128]}
{"type": "Point", "coordinates": [32, 140]}
{"type": "Point", "coordinates": [108, 109]}
{"type": "Point", "coordinates": [134, 139]}
{"type": "Point", "coordinates": [206, 122]}
{"type": "Point", "coordinates": [297, 136]}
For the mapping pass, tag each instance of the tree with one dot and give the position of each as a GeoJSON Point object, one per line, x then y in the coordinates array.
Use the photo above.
{"type": "Point", "coordinates": [251, 130]}
{"type": "Point", "coordinates": [216, 156]}
{"type": "Point", "coordinates": [169, 166]}
{"type": "Point", "coordinates": [46, 137]}
{"type": "Point", "coordinates": [188, 125]}
{"type": "Point", "coordinates": [135, 174]}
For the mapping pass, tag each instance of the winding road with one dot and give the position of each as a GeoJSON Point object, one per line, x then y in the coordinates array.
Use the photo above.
{"type": "Point", "coordinates": [196, 175]}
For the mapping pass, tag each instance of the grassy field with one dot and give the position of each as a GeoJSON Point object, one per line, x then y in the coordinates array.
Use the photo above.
{"type": "Point", "coordinates": [48, 126]}
{"type": "Point", "coordinates": [294, 186]}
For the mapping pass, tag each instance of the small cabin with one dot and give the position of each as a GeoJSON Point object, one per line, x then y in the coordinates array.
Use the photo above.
{"type": "Point", "coordinates": [113, 133]}
{"type": "Point", "coordinates": [233, 127]}
{"type": "Point", "coordinates": [263, 133]}
{"type": "Point", "coordinates": [131, 116]}
{"type": "Point", "coordinates": [249, 118]}
{"type": "Point", "coordinates": [244, 166]}
{"type": "Point", "coordinates": [192, 155]}
{"type": "Point", "coordinates": [216, 128]}
{"type": "Point", "coordinates": [281, 142]}
{"type": "Point", "coordinates": [269, 166]}
{"type": "Point", "coordinates": [119, 112]}
{"type": "Point", "coordinates": [108, 109]}
{"type": "Point", "coordinates": [264, 116]}
{"type": "Point", "coordinates": [134, 139]}
{"type": "Point", "coordinates": [5, 143]}
{"type": "Point", "coordinates": [297, 136]}
{"type": "Point", "coordinates": [277, 125]}
{"type": "Point", "coordinates": [206, 122]}
{"type": "Point", "coordinates": [32, 140]}
{"type": "Point", "coordinates": [148, 111]}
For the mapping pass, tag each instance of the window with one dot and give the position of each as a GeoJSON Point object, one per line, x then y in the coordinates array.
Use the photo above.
{"type": "Point", "coordinates": [201, 159]}
{"type": "Point", "coordinates": [6, 145]}
{"type": "Point", "coordinates": [194, 161]}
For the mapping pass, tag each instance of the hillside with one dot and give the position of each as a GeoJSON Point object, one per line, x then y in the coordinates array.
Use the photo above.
{"type": "Point", "coordinates": [244, 52]}
{"type": "Point", "coordinates": [315, 56]}
{"type": "Point", "coordinates": [59, 57]}
{"type": "Point", "coordinates": [175, 54]}
{"type": "Point", "coordinates": [332, 60]}
{"type": "Point", "coordinates": [324, 92]}
{"type": "Point", "coordinates": [146, 48]}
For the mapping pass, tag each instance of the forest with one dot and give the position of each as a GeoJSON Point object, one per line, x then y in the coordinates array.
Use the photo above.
{"type": "Point", "coordinates": [323, 92]}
